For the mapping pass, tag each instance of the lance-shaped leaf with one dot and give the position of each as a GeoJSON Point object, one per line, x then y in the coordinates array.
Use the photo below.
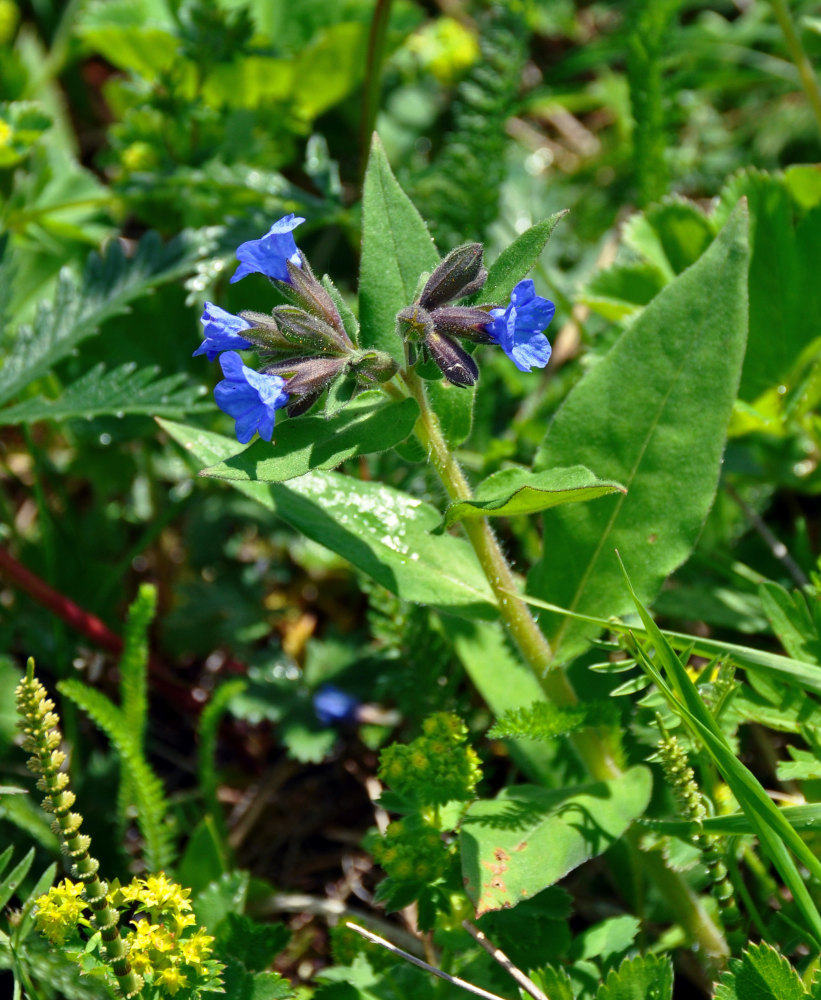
{"type": "Point", "coordinates": [653, 415]}
{"type": "Point", "coordinates": [396, 249]}
{"type": "Point", "coordinates": [520, 491]}
{"type": "Point", "coordinates": [514, 262]}
{"type": "Point", "coordinates": [528, 838]}
{"type": "Point", "coordinates": [382, 531]}
{"type": "Point", "coordinates": [369, 423]}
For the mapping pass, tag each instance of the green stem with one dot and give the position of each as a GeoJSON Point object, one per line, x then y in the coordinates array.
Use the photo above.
{"type": "Point", "coordinates": [799, 57]}
{"type": "Point", "coordinates": [591, 746]}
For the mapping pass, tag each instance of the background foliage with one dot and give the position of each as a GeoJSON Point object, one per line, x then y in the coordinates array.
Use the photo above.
{"type": "Point", "coordinates": [140, 142]}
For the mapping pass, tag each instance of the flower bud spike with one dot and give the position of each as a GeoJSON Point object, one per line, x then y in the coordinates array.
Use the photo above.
{"type": "Point", "coordinates": [461, 273]}
{"type": "Point", "coordinates": [456, 364]}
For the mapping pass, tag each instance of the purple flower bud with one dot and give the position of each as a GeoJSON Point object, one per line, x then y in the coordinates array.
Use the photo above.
{"type": "Point", "coordinates": [334, 706]}
{"type": "Point", "coordinates": [250, 397]}
{"type": "Point", "coordinates": [519, 329]}
{"type": "Point", "coordinates": [222, 332]}
{"type": "Point", "coordinates": [269, 254]}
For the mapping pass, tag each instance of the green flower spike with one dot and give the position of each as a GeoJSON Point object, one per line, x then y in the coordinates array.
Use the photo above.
{"type": "Point", "coordinates": [42, 739]}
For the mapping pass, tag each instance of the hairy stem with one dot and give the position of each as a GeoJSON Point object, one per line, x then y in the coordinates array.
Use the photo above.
{"type": "Point", "coordinates": [591, 746]}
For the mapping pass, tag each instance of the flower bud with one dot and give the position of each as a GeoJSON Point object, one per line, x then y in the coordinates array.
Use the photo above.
{"type": "Point", "coordinates": [306, 376]}
{"type": "Point", "coordinates": [264, 332]}
{"type": "Point", "coordinates": [456, 364]}
{"type": "Point", "coordinates": [464, 321]}
{"type": "Point", "coordinates": [374, 366]}
{"type": "Point", "coordinates": [305, 330]}
{"type": "Point", "coordinates": [461, 273]}
{"type": "Point", "coordinates": [309, 292]}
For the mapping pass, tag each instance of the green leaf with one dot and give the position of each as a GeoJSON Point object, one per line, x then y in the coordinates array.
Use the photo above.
{"type": "Point", "coordinates": [110, 283]}
{"type": "Point", "coordinates": [369, 423]}
{"type": "Point", "coordinates": [645, 977]}
{"type": "Point", "coordinates": [671, 235]}
{"type": "Point", "coordinates": [123, 390]}
{"type": "Point", "coordinates": [785, 300]}
{"type": "Point", "coordinates": [554, 982]}
{"type": "Point", "coordinates": [520, 491]}
{"type": "Point", "coordinates": [228, 894]}
{"type": "Point", "coordinates": [383, 531]}
{"type": "Point", "coordinates": [514, 262]}
{"type": "Point", "coordinates": [774, 832]}
{"type": "Point", "coordinates": [396, 249]}
{"type": "Point", "coordinates": [145, 786]}
{"type": "Point", "coordinates": [11, 882]}
{"type": "Point", "coordinates": [454, 408]}
{"type": "Point", "coordinates": [203, 860]}
{"type": "Point", "coordinates": [349, 320]}
{"type": "Point", "coordinates": [607, 940]}
{"type": "Point", "coordinates": [528, 838]}
{"type": "Point", "coordinates": [792, 620]}
{"type": "Point", "coordinates": [254, 944]}
{"type": "Point", "coordinates": [760, 974]}
{"type": "Point", "coordinates": [640, 417]}
{"type": "Point", "coordinates": [340, 393]}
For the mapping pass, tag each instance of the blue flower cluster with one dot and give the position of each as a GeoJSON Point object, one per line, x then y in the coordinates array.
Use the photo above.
{"type": "Point", "coordinates": [250, 397]}
{"type": "Point", "coordinates": [432, 323]}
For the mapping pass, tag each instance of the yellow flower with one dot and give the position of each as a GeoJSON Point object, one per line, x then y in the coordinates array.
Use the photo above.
{"type": "Point", "coordinates": [196, 949]}
{"type": "Point", "coordinates": [60, 910]}
{"type": "Point", "coordinates": [172, 979]}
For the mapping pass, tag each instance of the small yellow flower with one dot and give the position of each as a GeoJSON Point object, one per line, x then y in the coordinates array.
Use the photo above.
{"type": "Point", "coordinates": [196, 949]}
{"type": "Point", "coordinates": [60, 910]}
{"type": "Point", "coordinates": [172, 979]}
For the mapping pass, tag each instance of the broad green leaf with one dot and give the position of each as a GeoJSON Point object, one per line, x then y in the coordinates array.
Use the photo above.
{"type": "Point", "coordinates": [514, 262]}
{"type": "Point", "coordinates": [623, 289]}
{"type": "Point", "coordinates": [645, 977]}
{"type": "Point", "coordinates": [382, 531]}
{"type": "Point", "coordinates": [554, 982]}
{"type": "Point", "coordinates": [528, 838]}
{"type": "Point", "coordinates": [227, 894]}
{"type": "Point", "coordinates": [520, 491]}
{"type": "Point", "coordinates": [396, 249]}
{"type": "Point", "coordinates": [369, 423]}
{"type": "Point", "coordinates": [454, 408]}
{"type": "Point", "coordinates": [146, 50]}
{"type": "Point", "coordinates": [123, 390]}
{"type": "Point", "coordinates": [761, 973]}
{"type": "Point", "coordinates": [203, 860]}
{"type": "Point", "coordinates": [607, 940]}
{"type": "Point", "coordinates": [641, 417]}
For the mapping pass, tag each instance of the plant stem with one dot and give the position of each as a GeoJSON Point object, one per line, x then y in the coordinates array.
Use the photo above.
{"type": "Point", "coordinates": [799, 57]}
{"type": "Point", "coordinates": [373, 77]}
{"type": "Point", "coordinates": [591, 746]}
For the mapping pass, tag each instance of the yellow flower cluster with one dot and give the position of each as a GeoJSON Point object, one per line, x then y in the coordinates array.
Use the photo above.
{"type": "Point", "coordinates": [158, 947]}
{"type": "Point", "coordinates": [60, 911]}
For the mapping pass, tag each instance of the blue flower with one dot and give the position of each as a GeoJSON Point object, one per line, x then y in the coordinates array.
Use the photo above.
{"type": "Point", "coordinates": [222, 332]}
{"type": "Point", "coordinates": [519, 328]}
{"type": "Point", "coordinates": [333, 705]}
{"type": "Point", "coordinates": [250, 397]}
{"type": "Point", "coordinates": [268, 255]}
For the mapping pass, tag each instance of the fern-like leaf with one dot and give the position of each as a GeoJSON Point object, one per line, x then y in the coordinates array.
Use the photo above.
{"type": "Point", "coordinates": [111, 282]}
{"type": "Point", "coordinates": [147, 788]}
{"type": "Point", "coordinates": [134, 661]}
{"type": "Point", "coordinates": [208, 726]}
{"type": "Point", "coordinates": [123, 390]}
{"type": "Point", "coordinates": [545, 721]}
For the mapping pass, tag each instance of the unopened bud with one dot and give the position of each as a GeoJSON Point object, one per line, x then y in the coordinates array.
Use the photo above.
{"type": "Point", "coordinates": [461, 273]}
{"type": "Point", "coordinates": [305, 330]}
{"type": "Point", "coordinates": [464, 321]}
{"type": "Point", "coordinates": [414, 324]}
{"type": "Point", "coordinates": [456, 364]}
{"type": "Point", "coordinates": [375, 366]}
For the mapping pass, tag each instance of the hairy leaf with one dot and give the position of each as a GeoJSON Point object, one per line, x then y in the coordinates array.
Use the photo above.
{"type": "Point", "coordinates": [383, 531]}
{"type": "Point", "coordinates": [653, 415]}
{"type": "Point", "coordinates": [520, 491]}
{"type": "Point", "coordinates": [528, 838]}
{"type": "Point", "coordinates": [110, 283]}
{"type": "Point", "coordinates": [123, 390]}
{"type": "Point", "coordinates": [369, 423]}
{"type": "Point", "coordinates": [396, 249]}
{"type": "Point", "coordinates": [514, 262]}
